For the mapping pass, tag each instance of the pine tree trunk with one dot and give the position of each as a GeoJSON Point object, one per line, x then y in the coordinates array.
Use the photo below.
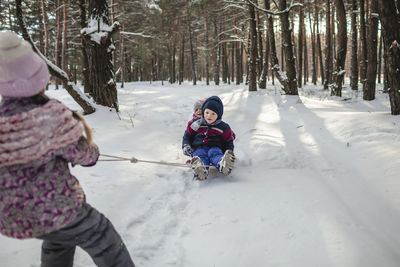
{"type": "Point", "coordinates": [305, 58]}
{"type": "Point", "coordinates": [291, 21]}
{"type": "Point", "coordinates": [319, 46]}
{"type": "Point", "coordinates": [192, 52]}
{"type": "Point", "coordinates": [300, 46]}
{"type": "Point", "coordinates": [112, 3]}
{"type": "Point", "coordinates": [282, 54]}
{"type": "Point", "coordinates": [260, 54]}
{"type": "Point", "coordinates": [338, 75]}
{"type": "Point", "coordinates": [262, 84]}
{"type": "Point", "coordinates": [216, 52]}
{"type": "Point", "coordinates": [241, 62]}
{"type": "Point", "coordinates": [82, 7]}
{"type": "Point", "coordinates": [130, 69]}
{"type": "Point", "coordinates": [207, 53]}
{"type": "Point", "coordinates": [169, 62]}
{"type": "Point", "coordinates": [224, 63]}
{"type": "Point", "coordinates": [101, 71]}
{"type": "Point", "coordinates": [313, 50]}
{"type": "Point", "coordinates": [354, 39]}
{"type": "Point", "coordinates": [267, 53]}
{"type": "Point", "coordinates": [328, 47]}
{"type": "Point", "coordinates": [333, 38]}
{"type": "Point", "coordinates": [45, 29]}
{"type": "Point", "coordinates": [380, 58]}
{"type": "Point", "coordinates": [173, 71]}
{"type": "Point", "coordinates": [363, 37]}
{"type": "Point", "coordinates": [369, 87]}
{"type": "Point", "coordinates": [385, 72]}
{"type": "Point", "coordinates": [58, 37]}
{"type": "Point", "coordinates": [276, 70]}
{"type": "Point", "coordinates": [389, 18]}
{"type": "Point", "coordinates": [238, 63]}
{"type": "Point", "coordinates": [288, 47]}
{"type": "Point", "coordinates": [121, 56]}
{"type": "Point", "coordinates": [64, 38]}
{"type": "Point", "coordinates": [182, 59]}
{"type": "Point", "coordinates": [253, 50]}
{"type": "Point", "coordinates": [233, 45]}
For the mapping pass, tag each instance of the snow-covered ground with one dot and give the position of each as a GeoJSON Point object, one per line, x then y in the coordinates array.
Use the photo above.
{"type": "Point", "coordinates": [316, 184]}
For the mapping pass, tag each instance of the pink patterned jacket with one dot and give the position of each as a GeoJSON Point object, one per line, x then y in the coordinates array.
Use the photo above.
{"type": "Point", "coordinates": [38, 194]}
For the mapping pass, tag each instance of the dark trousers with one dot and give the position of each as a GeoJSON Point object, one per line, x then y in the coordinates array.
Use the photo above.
{"type": "Point", "coordinates": [91, 231]}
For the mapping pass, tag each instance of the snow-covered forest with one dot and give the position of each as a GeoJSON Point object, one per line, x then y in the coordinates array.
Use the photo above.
{"type": "Point", "coordinates": [238, 41]}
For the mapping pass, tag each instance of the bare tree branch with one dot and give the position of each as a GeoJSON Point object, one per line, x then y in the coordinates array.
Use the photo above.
{"type": "Point", "coordinates": [76, 94]}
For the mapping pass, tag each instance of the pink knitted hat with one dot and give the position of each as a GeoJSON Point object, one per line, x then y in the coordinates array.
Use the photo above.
{"type": "Point", "coordinates": [23, 73]}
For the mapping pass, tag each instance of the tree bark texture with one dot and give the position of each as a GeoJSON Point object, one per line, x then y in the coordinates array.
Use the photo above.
{"type": "Point", "coordinates": [121, 56]}
{"type": "Point", "coordinates": [58, 37]}
{"type": "Point", "coordinates": [333, 38]}
{"type": "Point", "coordinates": [238, 63]}
{"type": "Point", "coordinates": [276, 70]}
{"type": "Point", "coordinates": [45, 29]}
{"type": "Point", "coordinates": [260, 54]}
{"type": "Point", "coordinates": [380, 58]}
{"type": "Point", "coordinates": [319, 46]}
{"type": "Point", "coordinates": [253, 50]}
{"type": "Point", "coordinates": [192, 52]}
{"type": "Point", "coordinates": [233, 45]}
{"type": "Point", "coordinates": [173, 71]}
{"type": "Point", "coordinates": [82, 7]}
{"type": "Point", "coordinates": [341, 49]}
{"type": "Point", "coordinates": [207, 53]}
{"type": "Point", "coordinates": [262, 84]}
{"type": "Point", "coordinates": [363, 37]}
{"type": "Point", "coordinates": [391, 35]}
{"type": "Point", "coordinates": [300, 46]}
{"type": "Point", "coordinates": [216, 52]}
{"type": "Point", "coordinates": [328, 46]}
{"type": "Point", "coordinates": [64, 37]}
{"type": "Point", "coordinates": [372, 45]}
{"type": "Point", "coordinates": [182, 59]}
{"type": "Point", "coordinates": [354, 40]}
{"type": "Point", "coordinates": [224, 63]}
{"type": "Point", "coordinates": [101, 70]}
{"type": "Point", "coordinates": [288, 48]}
{"type": "Point", "coordinates": [305, 61]}
{"type": "Point", "coordinates": [313, 48]}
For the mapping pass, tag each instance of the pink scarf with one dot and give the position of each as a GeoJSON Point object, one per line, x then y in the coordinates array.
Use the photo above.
{"type": "Point", "coordinates": [27, 136]}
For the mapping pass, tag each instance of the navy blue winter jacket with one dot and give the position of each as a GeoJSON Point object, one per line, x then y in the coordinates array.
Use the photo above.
{"type": "Point", "coordinates": [198, 133]}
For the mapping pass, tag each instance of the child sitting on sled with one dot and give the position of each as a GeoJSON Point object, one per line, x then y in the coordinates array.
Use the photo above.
{"type": "Point", "coordinates": [209, 140]}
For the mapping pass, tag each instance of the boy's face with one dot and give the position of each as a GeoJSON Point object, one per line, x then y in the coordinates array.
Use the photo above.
{"type": "Point", "coordinates": [197, 113]}
{"type": "Point", "coordinates": [210, 116]}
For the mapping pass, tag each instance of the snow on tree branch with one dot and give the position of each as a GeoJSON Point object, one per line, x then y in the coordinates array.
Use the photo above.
{"type": "Point", "coordinates": [234, 5]}
{"type": "Point", "coordinates": [275, 13]}
{"type": "Point", "coordinates": [141, 34]}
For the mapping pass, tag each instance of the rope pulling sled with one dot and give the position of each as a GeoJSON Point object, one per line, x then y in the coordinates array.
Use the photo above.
{"type": "Point", "coordinates": [135, 160]}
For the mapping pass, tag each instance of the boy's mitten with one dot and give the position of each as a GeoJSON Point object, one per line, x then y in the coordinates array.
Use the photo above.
{"type": "Point", "coordinates": [187, 150]}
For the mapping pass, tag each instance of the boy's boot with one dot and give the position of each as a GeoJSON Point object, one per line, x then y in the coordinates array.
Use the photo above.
{"type": "Point", "coordinates": [227, 162]}
{"type": "Point", "coordinates": [200, 171]}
